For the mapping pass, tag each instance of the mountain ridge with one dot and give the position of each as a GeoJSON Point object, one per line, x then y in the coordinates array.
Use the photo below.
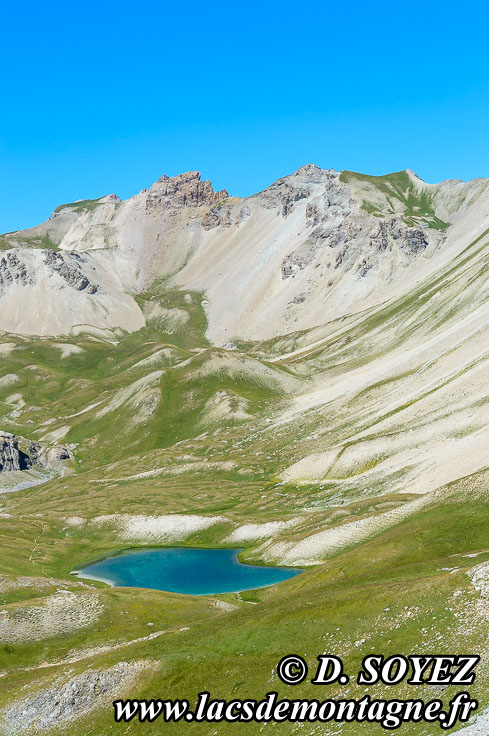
{"type": "Point", "coordinates": [313, 246]}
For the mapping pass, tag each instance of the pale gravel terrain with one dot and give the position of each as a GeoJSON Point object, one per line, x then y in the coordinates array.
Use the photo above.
{"type": "Point", "coordinates": [164, 356]}
{"type": "Point", "coordinates": [7, 347]}
{"type": "Point", "coordinates": [8, 584]}
{"type": "Point", "coordinates": [479, 576]}
{"type": "Point", "coordinates": [9, 379]}
{"type": "Point", "coordinates": [241, 367]}
{"type": "Point", "coordinates": [109, 307]}
{"type": "Point", "coordinates": [432, 425]}
{"type": "Point", "coordinates": [79, 655]}
{"type": "Point", "coordinates": [169, 320]}
{"type": "Point", "coordinates": [18, 480]}
{"type": "Point", "coordinates": [67, 349]}
{"type": "Point", "coordinates": [249, 532]}
{"type": "Point", "coordinates": [84, 411]}
{"type": "Point", "coordinates": [56, 434]}
{"type": "Point", "coordinates": [75, 521]}
{"type": "Point", "coordinates": [55, 615]}
{"type": "Point", "coordinates": [65, 700]}
{"type": "Point", "coordinates": [224, 606]}
{"type": "Point", "coordinates": [239, 267]}
{"type": "Point", "coordinates": [480, 727]}
{"type": "Point", "coordinates": [313, 549]}
{"type": "Point", "coordinates": [147, 529]}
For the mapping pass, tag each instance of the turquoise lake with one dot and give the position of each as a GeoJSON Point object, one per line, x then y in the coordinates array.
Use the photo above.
{"type": "Point", "coordinates": [187, 570]}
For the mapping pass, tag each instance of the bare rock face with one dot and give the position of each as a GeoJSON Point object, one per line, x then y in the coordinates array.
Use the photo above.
{"type": "Point", "coordinates": [184, 190]}
{"type": "Point", "coordinates": [13, 271]}
{"type": "Point", "coordinates": [218, 217]}
{"type": "Point", "coordinates": [46, 457]}
{"type": "Point", "coordinates": [29, 454]}
{"type": "Point", "coordinates": [11, 458]}
{"type": "Point", "coordinates": [364, 267]}
{"type": "Point", "coordinates": [71, 274]}
{"type": "Point", "coordinates": [283, 194]}
{"type": "Point", "coordinates": [336, 222]}
{"type": "Point", "coordinates": [62, 702]}
{"type": "Point", "coordinates": [329, 217]}
{"type": "Point", "coordinates": [412, 240]}
{"type": "Point", "coordinates": [210, 220]}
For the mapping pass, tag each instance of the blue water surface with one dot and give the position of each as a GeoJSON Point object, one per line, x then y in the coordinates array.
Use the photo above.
{"type": "Point", "coordinates": [194, 571]}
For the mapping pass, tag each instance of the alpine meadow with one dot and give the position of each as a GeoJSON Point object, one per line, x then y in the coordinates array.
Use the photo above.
{"type": "Point", "coordinates": [300, 375]}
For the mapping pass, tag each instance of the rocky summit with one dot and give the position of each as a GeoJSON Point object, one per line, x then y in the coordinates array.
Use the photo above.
{"type": "Point", "coordinates": [299, 375]}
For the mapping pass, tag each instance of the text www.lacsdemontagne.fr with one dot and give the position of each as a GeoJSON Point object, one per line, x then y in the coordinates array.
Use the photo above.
{"type": "Point", "coordinates": [389, 714]}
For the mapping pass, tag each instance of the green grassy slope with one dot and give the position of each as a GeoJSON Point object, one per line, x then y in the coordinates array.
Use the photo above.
{"type": "Point", "coordinates": [404, 590]}
{"type": "Point", "coordinates": [163, 423]}
{"type": "Point", "coordinates": [398, 187]}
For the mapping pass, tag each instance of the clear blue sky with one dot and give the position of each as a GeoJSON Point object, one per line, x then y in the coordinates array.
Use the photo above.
{"type": "Point", "coordinates": [105, 97]}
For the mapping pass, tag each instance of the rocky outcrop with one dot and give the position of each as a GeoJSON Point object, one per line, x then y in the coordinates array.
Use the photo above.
{"type": "Point", "coordinates": [63, 702]}
{"type": "Point", "coordinates": [218, 217]}
{"type": "Point", "coordinates": [184, 190]}
{"type": "Point", "coordinates": [291, 196]}
{"type": "Point", "coordinates": [282, 194]}
{"type": "Point", "coordinates": [73, 276]}
{"type": "Point", "coordinates": [332, 229]}
{"type": "Point", "coordinates": [13, 271]}
{"type": "Point", "coordinates": [414, 241]}
{"type": "Point", "coordinates": [210, 220]}
{"type": "Point", "coordinates": [364, 267]}
{"type": "Point", "coordinates": [298, 260]}
{"type": "Point", "coordinates": [19, 453]}
{"type": "Point", "coordinates": [312, 214]}
{"type": "Point", "coordinates": [322, 236]}
{"type": "Point", "coordinates": [334, 200]}
{"type": "Point", "coordinates": [391, 232]}
{"type": "Point", "coordinates": [46, 457]}
{"type": "Point", "coordinates": [11, 457]}
{"type": "Point", "coordinates": [288, 190]}
{"type": "Point", "coordinates": [335, 235]}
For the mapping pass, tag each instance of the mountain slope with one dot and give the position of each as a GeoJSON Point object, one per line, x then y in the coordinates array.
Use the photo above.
{"type": "Point", "coordinates": [190, 357]}
{"type": "Point", "coordinates": [313, 247]}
